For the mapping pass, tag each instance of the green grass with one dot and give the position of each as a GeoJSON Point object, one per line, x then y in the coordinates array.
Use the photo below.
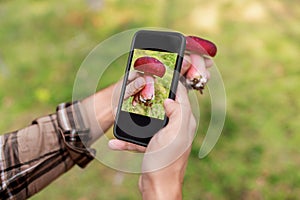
{"type": "Point", "coordinates": [42, 44]}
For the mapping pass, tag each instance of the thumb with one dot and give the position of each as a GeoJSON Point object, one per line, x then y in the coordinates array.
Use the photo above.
{"type": "Point", "coordinates": [172, 108]}
{"type": "Point", "coordinates": [134, 87]}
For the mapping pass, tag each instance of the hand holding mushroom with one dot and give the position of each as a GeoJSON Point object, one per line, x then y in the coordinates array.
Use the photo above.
{"type": "Point", "coordinates": [196, 61]}
{"type": "Point", "coordinates": [194, 68]}
{"type": "Point", "coordinates": [150, 67]}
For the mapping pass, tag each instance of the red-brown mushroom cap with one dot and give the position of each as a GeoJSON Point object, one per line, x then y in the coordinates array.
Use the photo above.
{"type": "Point", "coordinates": [201, 46]}
{"type": "Point", "coordinates": [150, 65]}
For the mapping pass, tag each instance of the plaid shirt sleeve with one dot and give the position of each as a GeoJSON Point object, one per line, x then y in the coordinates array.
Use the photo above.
{"type": "Point", "coordinates": [31, 158]}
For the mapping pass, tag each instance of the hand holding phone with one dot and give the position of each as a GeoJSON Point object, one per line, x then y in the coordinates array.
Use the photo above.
{"type": "Point", "coordinates": [170, 149]}
{"type": "Point", "coordinates": [155, 56]}
{"type": "Point", "coordinates": [149, 61]}
{"type": "Point", "coordinates": [173, 142]}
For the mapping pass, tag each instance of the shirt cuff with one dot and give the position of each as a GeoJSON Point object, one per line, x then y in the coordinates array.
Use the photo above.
{"type": "Point", "coordinates": [74, 128]}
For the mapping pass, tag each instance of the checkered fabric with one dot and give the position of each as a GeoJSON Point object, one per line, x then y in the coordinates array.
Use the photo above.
{"type": "Point", "coordinates": [31, 158]}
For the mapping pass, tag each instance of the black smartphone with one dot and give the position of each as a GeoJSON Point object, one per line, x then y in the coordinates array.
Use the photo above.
{"type": "Point", "coordinates": [157, 57]}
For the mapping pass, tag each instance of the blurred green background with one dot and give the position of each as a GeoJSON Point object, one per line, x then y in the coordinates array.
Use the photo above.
{"type": "Point", "coordinates": [42, 44]}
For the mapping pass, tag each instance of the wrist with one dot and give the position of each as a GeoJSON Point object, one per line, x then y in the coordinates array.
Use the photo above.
{"type": "Point", "coordinates": [99, 110]}
{"type": "Point", "coordinates": [159, 187]}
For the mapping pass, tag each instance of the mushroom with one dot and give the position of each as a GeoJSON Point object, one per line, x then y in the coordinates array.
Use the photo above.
{"type": "Point", "coordinates": [196, 47]}
{"type": "Point", "coordinates": [151, 67]}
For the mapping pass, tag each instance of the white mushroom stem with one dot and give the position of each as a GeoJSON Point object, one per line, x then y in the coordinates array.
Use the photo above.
{"type": "Point", "coordinates": [197, 72]}
{"type": "Point", "coordinates": [147, 93]}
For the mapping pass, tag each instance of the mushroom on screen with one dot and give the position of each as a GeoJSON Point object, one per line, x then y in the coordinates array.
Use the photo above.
{"type": "Point", "coordinates": [150, 67]}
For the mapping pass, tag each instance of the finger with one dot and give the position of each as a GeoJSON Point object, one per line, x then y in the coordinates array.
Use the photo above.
{"type": "Point", "coordinates": [207, 74]}
{"type": "Point", "coordinates": [133, 75]}
{"type": "Point", "coordinates": [115, 110]}
{"type": "Point", "coordinates": [135, 100]}
{"type": "Point", "coordinates": [134, 87]}
{"type": "Point", "coordinates": [186, 64]}
{"type": "Point", "coordinates": [198, 67]}
{"type": "Point", "coordinates": [181, 94]}
{"type": "Point", "coordinates": [208, 62]}
{"type": "Point", "coordinates": [120, 145]}
{"type": "Point", "coordinates": [172, 109]}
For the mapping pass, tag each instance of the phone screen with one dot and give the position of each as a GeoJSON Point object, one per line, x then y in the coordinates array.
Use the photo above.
{"type": "Point", "coordinates": [149, 101]}
{"type": "Point", "coordinates": [157, 57]}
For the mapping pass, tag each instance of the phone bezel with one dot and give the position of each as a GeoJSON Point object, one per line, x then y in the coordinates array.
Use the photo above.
{"type": "Point", "coordinates": [157, 41]}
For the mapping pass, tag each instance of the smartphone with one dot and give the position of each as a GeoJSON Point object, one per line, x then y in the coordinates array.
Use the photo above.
{"type": "Point", "coordinates": [157, 56]}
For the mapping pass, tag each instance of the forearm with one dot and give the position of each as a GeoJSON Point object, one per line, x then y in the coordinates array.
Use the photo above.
{"type": "Point", "coordinates": [99, 109]}
{"type": "Point", "coordinates": [32, 158]}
